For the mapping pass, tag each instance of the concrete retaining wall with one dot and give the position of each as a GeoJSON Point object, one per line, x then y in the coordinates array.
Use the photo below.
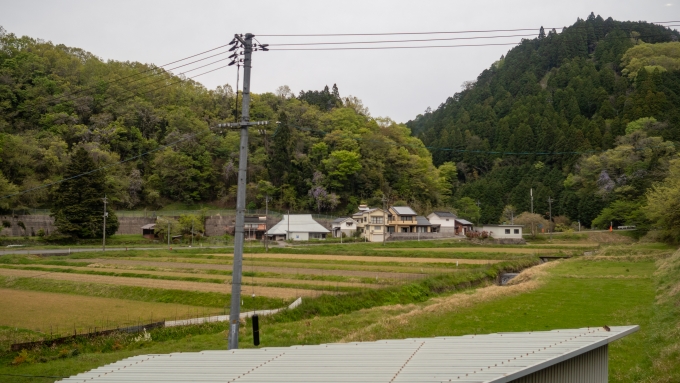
{"type": "Point", "coordinates": [215, 225]}
{"type": "Point", "coordinates": [416, 236]}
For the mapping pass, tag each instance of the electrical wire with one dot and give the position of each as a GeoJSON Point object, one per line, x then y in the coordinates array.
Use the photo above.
{"type": "Point", "coordinates": [408, 41]}
{"type": "Point", "coordinates": [423, 33]}
{"type": "Point", "coordinates": [435, 148]}
{"type": "Point", "coordinates": [129, 158]}
{"type": "Point", "coordinates": [273, 46]}
{"type": "Point", "coordinates": [57, 98]}
{"type": "Point", "coordinates": [397, 47]}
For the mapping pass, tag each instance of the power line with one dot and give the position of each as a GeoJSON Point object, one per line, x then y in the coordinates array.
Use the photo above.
{"type": "Point", "coordinates": [435, 148]}
{"type": "Point", "coordinates": [397, 47]}
{"type": "Point", "coordinates": [405, 41]}
{"type": "Point", "coordinates": [423, 46]}
{"type": "Point", "coordinates": [425, 33]}
{"type": "Point", "coordinates": [154, 68]}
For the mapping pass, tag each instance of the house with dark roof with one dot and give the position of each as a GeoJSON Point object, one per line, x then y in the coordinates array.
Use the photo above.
{"type": "Point", "coordinates": [446, 221]}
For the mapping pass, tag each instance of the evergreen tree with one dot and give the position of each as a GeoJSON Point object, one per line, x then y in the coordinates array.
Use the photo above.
{"type": "Point", "coordinates": [78, 208]}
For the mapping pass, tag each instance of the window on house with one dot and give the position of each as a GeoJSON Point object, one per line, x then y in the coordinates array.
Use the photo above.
{"type": "Point", "coordinates": [348, 223]}
{"type": "Point", "coordinates": [516, 231]}
{"type": "Point", "coordinates": [507, 231]}
{"type": "Point", "coordinates": [404, 219]}
{"type": "Point", "coordinates": [377, 220]}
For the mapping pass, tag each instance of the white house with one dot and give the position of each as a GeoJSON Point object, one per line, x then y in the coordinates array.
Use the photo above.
{"type": "Point", "coordinates": [298, 227]}
{"type": "Point", "coordinates": [343, 225]}
{"type": "Point", "coordinates": [502, 231]}
{"type": "Point", "coordinates": [445, 219]}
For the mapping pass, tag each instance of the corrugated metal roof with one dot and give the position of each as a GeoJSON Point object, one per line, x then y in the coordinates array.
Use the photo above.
{"type": "Point", "coordinates": [403, 210]}
{"type": "Point", "coordinates": [299, 223]}
{"type": "Point", "coordinates": [498, 358]}
{"type": "Point", "coordinates": [149, 226]}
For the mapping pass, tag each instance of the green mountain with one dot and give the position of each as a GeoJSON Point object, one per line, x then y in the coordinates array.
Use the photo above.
{"type": "Point", "coordinates": [151, 132]}
{"type": "Point", "coordinates": [556, 114]}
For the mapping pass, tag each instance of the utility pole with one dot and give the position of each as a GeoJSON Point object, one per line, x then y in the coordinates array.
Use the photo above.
{"type": "Point", "coordinates": [384, 201]}
{"type": "Point", "coordinates": [235, 309]}
{"type": "Point", "coordinates": [104, 225]}
{"type": "Point", "coordinates": [480, 212]}
{"type": "Point", "coordinates": [531, 192]}
{"type": "Point", "coordinates": [266, 219]}
{"type": "Point", "coordinates": [192, 232]}
{"type": "Point", "coordinates": [550, 201]}
{"type": "Point", "coordinates": [168, 232]}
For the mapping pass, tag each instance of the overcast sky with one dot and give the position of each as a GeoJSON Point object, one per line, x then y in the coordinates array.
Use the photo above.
{"type": "Point", "coordinates": [395, 83]}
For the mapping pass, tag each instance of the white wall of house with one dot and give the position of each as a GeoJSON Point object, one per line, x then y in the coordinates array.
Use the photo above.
{"type": "Point", "coordinates": [447, 224]}
{"type": "Point", "coordinates": [299, 236]}
{"type": "Point", "coordinates": [503, 231]}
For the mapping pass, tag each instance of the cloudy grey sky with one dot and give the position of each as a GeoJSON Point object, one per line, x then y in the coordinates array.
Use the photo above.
{"type": "Point", "coordinates": [394, 83]}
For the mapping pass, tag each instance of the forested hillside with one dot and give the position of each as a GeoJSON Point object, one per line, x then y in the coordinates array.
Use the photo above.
{"type": "Point", "coordinates": [326, 153]}
{"type": "Point", "coordinates": [589, 116]}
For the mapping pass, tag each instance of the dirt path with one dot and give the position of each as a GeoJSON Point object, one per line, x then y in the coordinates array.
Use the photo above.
{"type": "Point", "coordinates": [359, 258]}
{"type": "Point", "coordinates": [528, 280]}
{"type": "Point", "coordinates": [274, 292]}
{"type": "Point", "coordinates": [265, 269]}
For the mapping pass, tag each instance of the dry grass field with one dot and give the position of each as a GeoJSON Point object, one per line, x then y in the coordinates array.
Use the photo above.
{"type": "Point", "coordinates": [59, 313]}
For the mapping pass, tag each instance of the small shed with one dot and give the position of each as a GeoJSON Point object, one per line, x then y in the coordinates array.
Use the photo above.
{"type": "Point", "coordinates": [463, 226]}
{"type": "Point", "coordinates": [149, 231]}
{"type": "Point", "coordinates": [297, 227]}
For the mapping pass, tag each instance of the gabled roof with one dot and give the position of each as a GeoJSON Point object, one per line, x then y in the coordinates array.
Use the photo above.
{"type": "Point", "coordinates": [422, 221]}
{"type": "Point", "coordinates": [443, 214]}
{"type": "Point", "coordinates": [403, 210]}
{"type": "Point", "coordinates": [299, 223]}
{"type": "Point", "coordinates": [498, 358]}
{"type": "Point", "coordinates": [463, 222]}
{"type": "Point", "coordinates": [149, 226]}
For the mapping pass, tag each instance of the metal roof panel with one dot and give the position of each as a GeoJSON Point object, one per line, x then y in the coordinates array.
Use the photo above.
{"type": "Point", "coordinates": [499, 358]}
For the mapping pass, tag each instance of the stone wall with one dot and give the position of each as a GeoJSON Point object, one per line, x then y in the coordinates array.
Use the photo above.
{"type": "Point", "coordinates": [215, 225]}
{"type": "Point", "coordinates": [416, 236]}
{"type": "Point", "coordinates": [33, 223]}
{"type": "Point", "coordinates": [133, 225]}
